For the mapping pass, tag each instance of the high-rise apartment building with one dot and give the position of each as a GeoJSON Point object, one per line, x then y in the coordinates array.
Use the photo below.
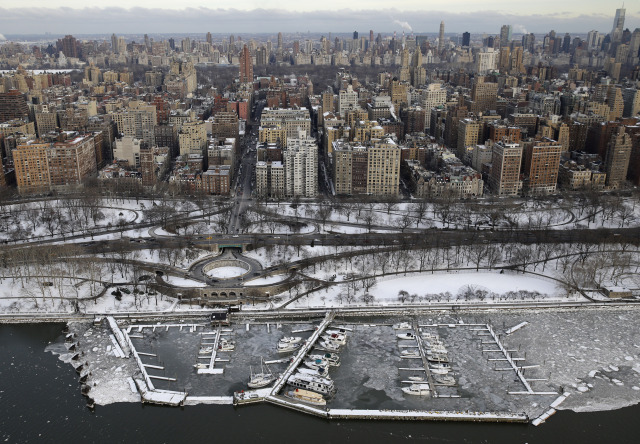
{"type": "Point", "coordinates": [504, 177]}
{"type": "Point", "coordinates": [541, 165]}
{"type": "Point", "coordinates": [434, 95]}
{"type": "Point", "coordinates": [617, 158]}
{"type": "Point", "coordinates": [484, 96]}
{"type": "Point", "coordinates": [138, 121]}
{"type": "Point", "coordinates": [383, 169]}
{"type": "Point", "coordinates": [441, 38]}
{"type": "Point", "coordinates": [301, 166]}
{"type": "Point", "coordinates": [44, 166]}
{"type": "Point", "coordinates": [246, 66]}
{"type": "Point", "coordinates": [192, 138]}
{"type": "Point", "coordinates": [13, 106]}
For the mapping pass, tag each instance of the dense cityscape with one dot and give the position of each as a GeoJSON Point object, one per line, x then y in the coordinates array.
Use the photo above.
{"type": "Point", "coordinates": [387, 225]}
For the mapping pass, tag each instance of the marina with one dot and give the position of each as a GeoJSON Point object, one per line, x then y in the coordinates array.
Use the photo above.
{"type": "Point", "coordinates": [355, 369]}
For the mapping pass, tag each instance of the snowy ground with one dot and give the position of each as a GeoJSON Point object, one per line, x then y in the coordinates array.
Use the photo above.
{"type": "Point", "coordinates": [226, 272]}
{"type": "Point", "coordinates": [266, 280]}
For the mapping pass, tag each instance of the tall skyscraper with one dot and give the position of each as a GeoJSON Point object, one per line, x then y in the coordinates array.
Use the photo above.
{"type": "Point", "coordinates": [114, 43]}
{"type": "Point", "coordinates": [209, 39]}
{"type": "Point", "coordinates": [441, 38]}
{"type": "Point", "coordinates": [466, 39]}
{"type": "Point", "coordinates": [505, 35]}
{"type": "Point", "coordinates": [246, 66]}
{"type": "Point", "coordinates": [279, 40]}
{"type": "Point", "coordinates": [371, 37]}
{"type": "Point", "coordinates": [355, 35]}
{"type": "Point", "coordinates": [618, 25]}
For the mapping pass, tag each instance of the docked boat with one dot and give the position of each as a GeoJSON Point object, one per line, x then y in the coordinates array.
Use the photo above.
{"type": "Point", "coordinates": [439, 371]}
{"type": "Point", "coordinates": [306, 396]}
{"type": "Point", "coordinates": [290, 340]}
{"type": "Point", "coordinates": [316, 363]}
{"type": "Point", "coordinates": [316, 384]}
{"type": "Point", "coordinates": [416, 378]}
{"type": "Point", "coordinates": [338, 338]}
{"type": "Point", "coordinates": [410, 354]}
{"type": "Point", "coordinates": [320, 371]}
{"type": "Point", "coordinates": [407, 335]}
{"type": "Point", "coordinates": [226, 345]}
{"type": "Point", "coordinates": [439, 365]}
{"type": "Point", "coordinates": [287, 347]}
{"type": "Point", "coordinates": [200, 366]}
{"type": "Point", "coordinates": [329, 345]}
{"type": "Point", "coordinates": [340, 331]}
{"type": "Point", "coordinates": [417, 389]}
{"type": "Point", "coordinates": [332, 358]}
{"type": "Point", "coordinates": [444, 379]}
{"type": "Point", "coordinates": [262, 379]}
{"type": "Point", "coordinates": [438, 358]}
{"type": "Point", "coordinates": [206, 350]}
{"type": "Point", "coordinates": [402, 326]}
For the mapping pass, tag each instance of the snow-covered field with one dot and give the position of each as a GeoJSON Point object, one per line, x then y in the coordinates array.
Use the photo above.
{"type": "Point", "coordinates": [226, 272]}
{"type": "Point", "coordinates": [425, 284]}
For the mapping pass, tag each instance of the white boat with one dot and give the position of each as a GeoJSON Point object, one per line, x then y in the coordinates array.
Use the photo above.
{"type": "Point", "coordinates": [336, 337]}
{"type": "Point", "coordinates": [402, 326]}
{"type": "Point", "coordinates": [438, 358]}
{"type": "Point", "coordinates": [291, 340]}
{"type": "Point", "coordinates": [306, 396]}
{"type": "Point", "coordinates": [200, 366]}
{"type": "Point", "coordinates": [262, 379]}
{"type": "Point", "coordinates": [226, 345]}
{"type": "Point", "coordinates": [430, 336]}
{"type": "Point", "coordinates": [439, 371]}
{"type": "Point", "coordinates": [407, 335]}
{"type": "Point", "coordinates": [417, 389]}
{"type": "Point", "coordinates": [410, 353]}
{"type": "Point", "coordinates": [439, 365]}
{"type": "Point", "coordinates": [416, 378]}
{"type": "Point", "coordinates": [340, 331]}
{"type": "Point", "coordinates": [444, 379]}
{"type": "Point", "coordinates": [332, 358]}
{"type": "Point", "coordinates": [314, 383]}
{"type": "Point", "coordinates": [287, 347]}
{"type": "Point", "coordinates": [320, 371]}
{"type": "Point", "coordinates": [328, 345]}
{"type": "Point", "coordinates": [206, 350]}
{"type": "Point", "coordinates": [316, 363]}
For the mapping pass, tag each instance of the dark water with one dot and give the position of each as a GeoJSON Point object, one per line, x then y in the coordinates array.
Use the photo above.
{"type": "Point", "coordinates": [40, 402]}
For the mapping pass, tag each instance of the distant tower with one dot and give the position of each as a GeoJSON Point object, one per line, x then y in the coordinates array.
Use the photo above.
{"type": "Point", "coordinates": [466, 39]}
{"type": "Point", "coordinates": [505, 35]}
{"type": "Point", "coordinates": [246, 66]}
{"type": "Point", "coordinates": [279, 40]}
{"type": "Point", "coordinates": [441, 38]}
{"type": "Point", "coordinates": [355, 35]}
{"type": "Point", "coordinates": [371, 37]}
{"type": "Point", "coordinates": [114, 43]}
{"type": "Point", "coordinates": [209, 39]}
{"type": "Point", "coordinates": [618, 25]}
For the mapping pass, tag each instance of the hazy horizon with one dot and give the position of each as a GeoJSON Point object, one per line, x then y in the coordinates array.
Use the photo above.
{"type": "Point", "coordinates": [36, 20]}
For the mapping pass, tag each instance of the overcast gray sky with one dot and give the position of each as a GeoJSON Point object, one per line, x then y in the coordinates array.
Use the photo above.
{"type": "Point", "coordinates": [152, 16]}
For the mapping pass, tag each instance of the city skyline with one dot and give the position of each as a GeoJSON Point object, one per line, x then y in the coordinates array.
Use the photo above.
{"type": "Point", "coordinates": [575, 17]}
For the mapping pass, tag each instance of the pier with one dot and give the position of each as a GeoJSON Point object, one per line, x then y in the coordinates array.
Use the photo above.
{"type": "Point", "coordinates": [280, 382]}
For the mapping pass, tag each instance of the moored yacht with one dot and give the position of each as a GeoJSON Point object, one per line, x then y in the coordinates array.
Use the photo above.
{"type": "Point", "coordinates": [417, 389]}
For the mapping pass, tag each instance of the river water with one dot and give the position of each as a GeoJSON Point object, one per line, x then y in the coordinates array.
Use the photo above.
{"type": "Point", "coordinates": [40, 402]}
